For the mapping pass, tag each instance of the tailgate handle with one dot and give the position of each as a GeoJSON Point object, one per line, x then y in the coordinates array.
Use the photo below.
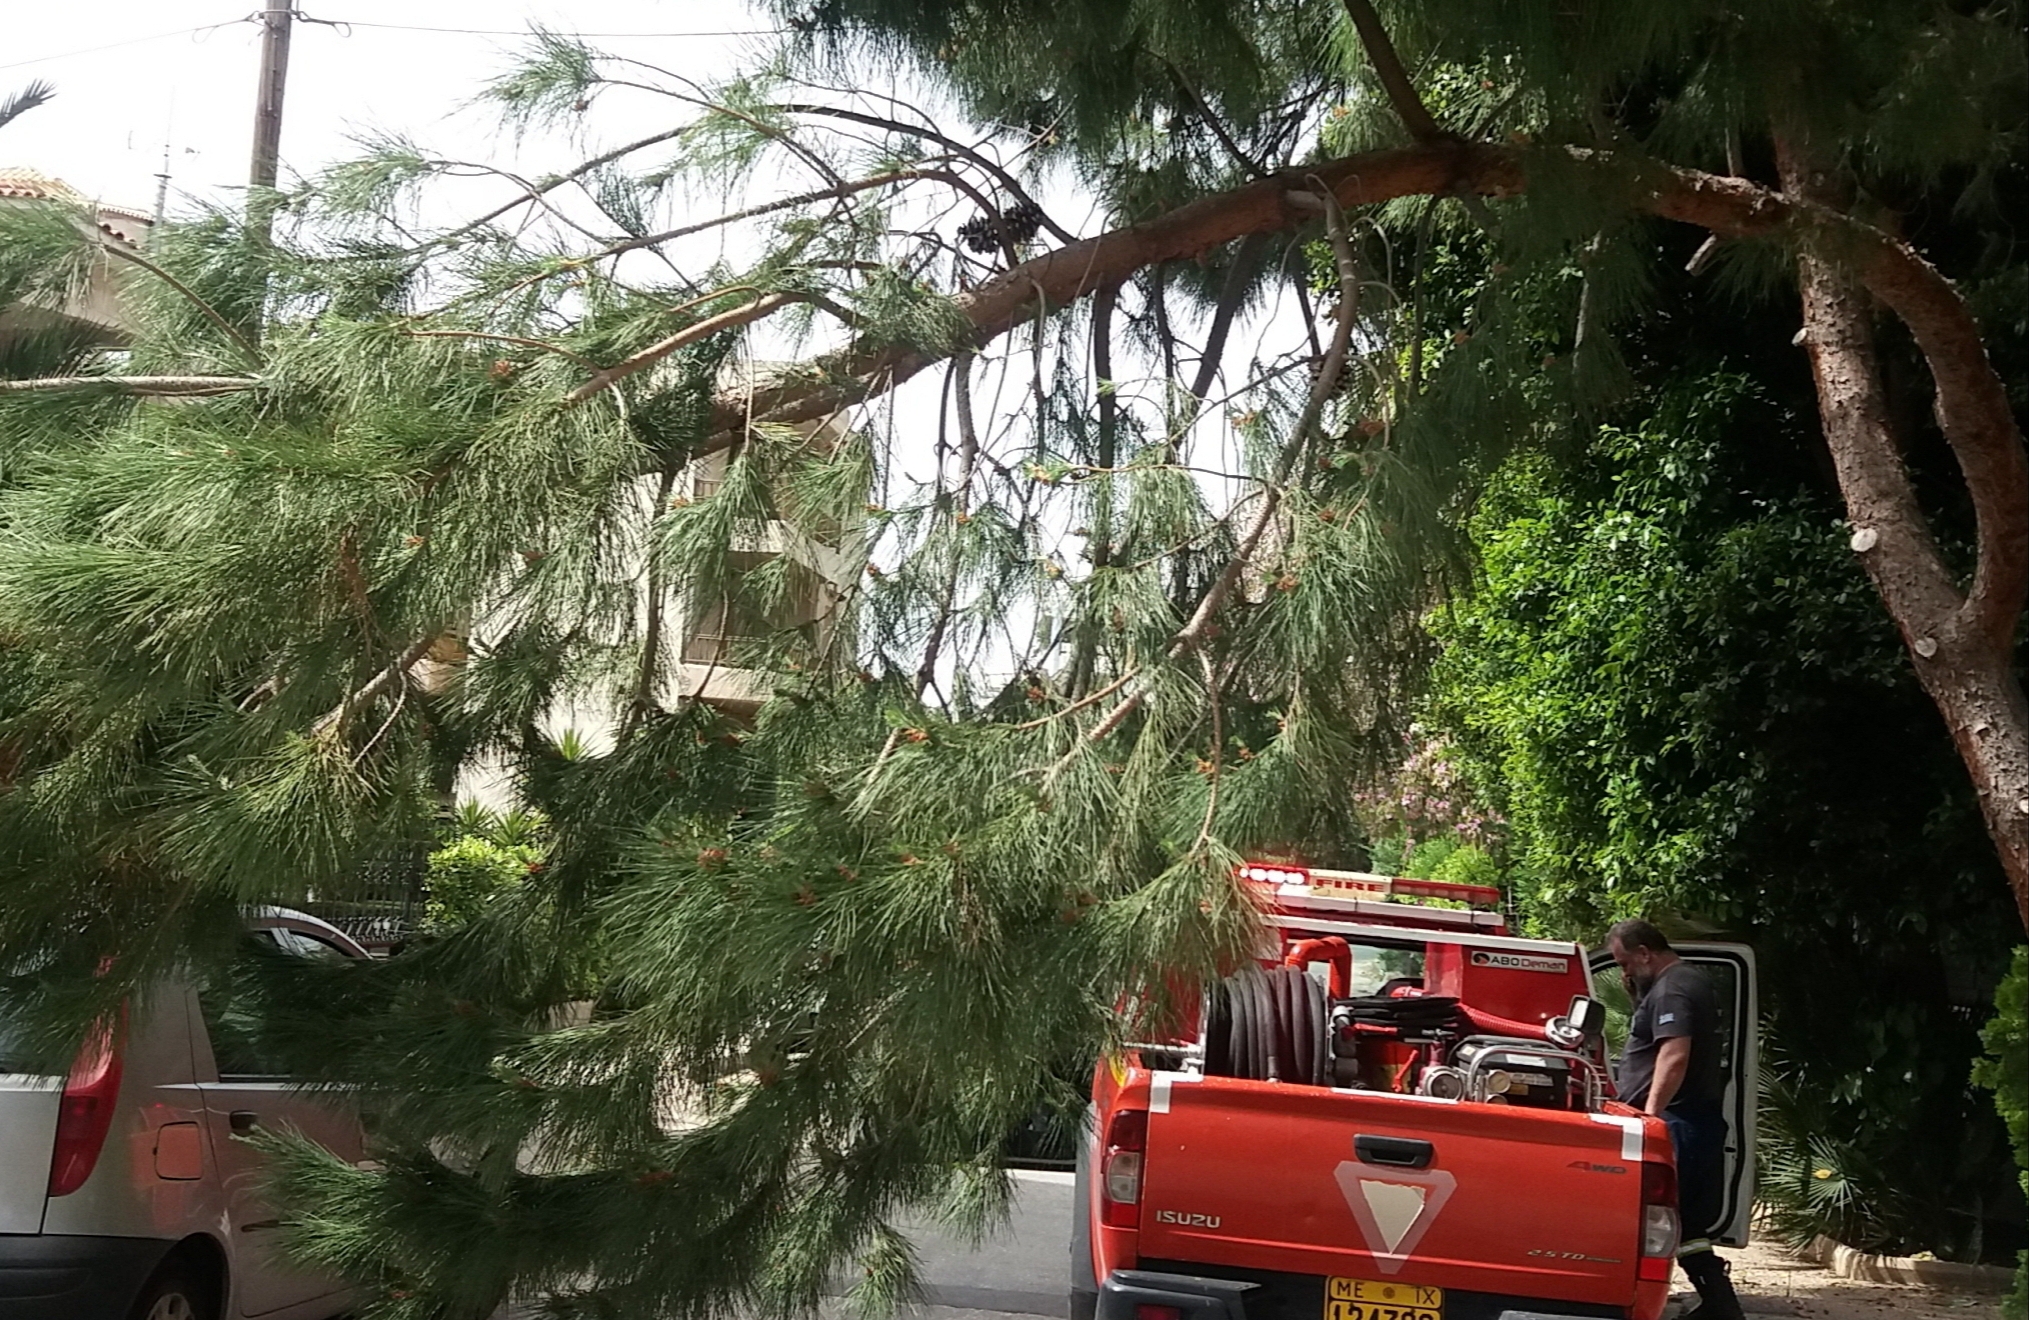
{"type": "Point", "coordinates": [1401, 1152]}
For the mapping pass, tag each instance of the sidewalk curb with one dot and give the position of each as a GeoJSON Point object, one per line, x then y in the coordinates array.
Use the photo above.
{"type": "Point", "coordinates": [1946, 1275]}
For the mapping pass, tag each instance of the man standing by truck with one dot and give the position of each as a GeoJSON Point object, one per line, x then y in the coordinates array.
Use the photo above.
{"type": "Point", "coordinates": [1671, 1069]}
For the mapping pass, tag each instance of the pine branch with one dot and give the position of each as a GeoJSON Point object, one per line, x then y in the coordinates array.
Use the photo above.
{"type": "Point", "coordinates": [333, 720]}
{"type": "Point", "coordinates": [1237, 281]}
{"type": "Point", "coordinates": [1192, 635]}
{"type": "Point", "coordinates": [1218, 757]}
{"type": "Point", "coordinates": [767, 130]}
{"type": "Point", "coordinates": [1063, 275]}
{"type": "Point", "coordinates": [204, 308]}
{"type": "Point", "coordinates": [1109, 412]}
{"type": "Point", "coordinates": [847, 189]}
{"type": "Point", "coordinates": [1416, 116]}
{"type": "Point", "coordinates": [968, 456]}
{"type": "Point", "coordinates": [765, 305]}
{"type": "Point", "coordinates": [1735, 208]}
{"type": "Point", "coordinates": [651, 632]}
{"type": "Point", "coordinates": [1101, 541]}
{"type": "Point", "coordinates": [549, 185]}
{"type": "Point", "coordinates": [160, 387]}
{"type": "Point", "coordinates": [532, 192]}
{"type": "Point", "coordinates": [1246, 162]}
{"type": "Point", "coordinates": [1089, 699]}
{"type": "Point", "coordinates": [1327, 383]}
{"type": "Point", "coordinates": [1006, 180]}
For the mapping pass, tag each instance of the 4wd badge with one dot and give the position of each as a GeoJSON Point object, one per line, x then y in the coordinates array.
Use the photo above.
{"type": "Point", "coordinates": [1520, 962]}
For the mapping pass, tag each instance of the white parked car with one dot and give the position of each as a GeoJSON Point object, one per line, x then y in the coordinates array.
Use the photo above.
{"type": "Point", "coordinates": [123, 1194]}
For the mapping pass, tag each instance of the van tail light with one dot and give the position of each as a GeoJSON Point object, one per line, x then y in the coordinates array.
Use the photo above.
{"type": "Point", "coordinates": [1660, 1229]}
{"type": "Point", "coordinates": [1120, 1169]}
{"type": "Point", "coordinates": [85, 1115]}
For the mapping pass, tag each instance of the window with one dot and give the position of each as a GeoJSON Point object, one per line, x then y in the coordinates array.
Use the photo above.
{"type": "Point", "coordinates": [1374, 967]}
{"type": "Point", "coordinates": [733, 635]}
{"type": "Point", "coordinates": [238, 1003]}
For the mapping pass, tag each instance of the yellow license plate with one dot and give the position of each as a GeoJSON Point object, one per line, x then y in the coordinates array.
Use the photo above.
{"type": "Point", "coordinates": [1369, 1299]}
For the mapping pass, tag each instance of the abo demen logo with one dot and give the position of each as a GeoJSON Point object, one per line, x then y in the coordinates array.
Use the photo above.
{"type": "Point", "coordinates": [1395, 1208]}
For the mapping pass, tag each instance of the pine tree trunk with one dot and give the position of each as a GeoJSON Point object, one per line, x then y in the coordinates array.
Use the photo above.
{"type": "Point", "coordinates": [1962, 645]}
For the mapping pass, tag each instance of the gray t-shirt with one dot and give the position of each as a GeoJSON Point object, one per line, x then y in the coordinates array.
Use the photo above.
{"type": "Point", "coordinates": [1681, 1002]}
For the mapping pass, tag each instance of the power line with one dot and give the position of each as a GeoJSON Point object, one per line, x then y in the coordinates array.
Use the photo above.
{"type": "Point", "coordinates": [388, 27]}
{"type": "Point", "coordinates": [524, 32]}
{"type": "Point", "coordinates": [115, 45]}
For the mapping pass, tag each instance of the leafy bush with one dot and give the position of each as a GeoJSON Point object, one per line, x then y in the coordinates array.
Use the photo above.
{"type": "Point", "coordinates": [1461, 864]}
{"type": "Point", "coordinates": [1810, 1182]}
{"type": "Point", "coordinates": [2005, 1071]}
{"type": "Point", "coordinates": [467, 874]}
{"type": "Point", "coordinates": [1678, 691]}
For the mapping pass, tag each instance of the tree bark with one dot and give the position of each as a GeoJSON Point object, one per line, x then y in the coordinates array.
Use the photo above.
{"type": "Point", "coordinates": [1064, 275]}
{"type": "Point", "coordinates": [1960, 643]}
{"type": "Point", "coordinates": [1235, 288]}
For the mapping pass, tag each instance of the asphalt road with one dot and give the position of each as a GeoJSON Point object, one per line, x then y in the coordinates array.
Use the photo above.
{"type": "Point", "coordinates": [1021, 1271]}
{"type": "Point", "coordinates": [1024, 1269]}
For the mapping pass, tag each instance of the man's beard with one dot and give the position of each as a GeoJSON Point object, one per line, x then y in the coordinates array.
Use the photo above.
{"type": "Point", "coordinates": [1638, 984]}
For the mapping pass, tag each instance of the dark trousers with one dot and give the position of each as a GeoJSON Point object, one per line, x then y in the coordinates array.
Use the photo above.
{"type": "Point", "coordinates": [1699, 1135]}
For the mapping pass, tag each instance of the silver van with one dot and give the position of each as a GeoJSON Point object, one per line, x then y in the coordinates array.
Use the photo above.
{"type": "Point", "coordinates": [123, 1194]}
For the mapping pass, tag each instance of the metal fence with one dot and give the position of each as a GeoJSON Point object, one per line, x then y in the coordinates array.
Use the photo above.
{"type": "Point", "coordinates": [384, 906]}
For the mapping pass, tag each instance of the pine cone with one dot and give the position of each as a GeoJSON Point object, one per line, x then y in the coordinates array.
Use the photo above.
{"type": "Point", "coordinates": [988, 233]}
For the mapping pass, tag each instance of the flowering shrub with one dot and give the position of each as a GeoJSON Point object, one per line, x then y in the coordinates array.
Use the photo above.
{"type": "Point", "coordinates": [1424, 823]}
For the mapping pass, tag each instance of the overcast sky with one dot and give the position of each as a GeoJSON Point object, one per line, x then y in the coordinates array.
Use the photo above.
{"type": "Point", "coordinates": [131, 76]}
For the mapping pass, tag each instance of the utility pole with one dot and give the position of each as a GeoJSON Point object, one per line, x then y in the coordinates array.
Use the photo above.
{"type": "Point", "coordinates": [161, 193]}
{"type": "Point", "coordinates": [277, 18]}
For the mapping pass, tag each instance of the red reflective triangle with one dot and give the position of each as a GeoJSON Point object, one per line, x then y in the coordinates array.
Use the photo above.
{"type": "Point", "coordinates": [1394, 1208]}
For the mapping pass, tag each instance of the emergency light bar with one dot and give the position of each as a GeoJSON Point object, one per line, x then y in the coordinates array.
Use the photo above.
{"type": "Point", "coordinates": [1297, 882]}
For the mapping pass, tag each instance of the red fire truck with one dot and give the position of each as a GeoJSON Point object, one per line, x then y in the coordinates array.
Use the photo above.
{"type": "Point", "coordinates": [1398, 1111]}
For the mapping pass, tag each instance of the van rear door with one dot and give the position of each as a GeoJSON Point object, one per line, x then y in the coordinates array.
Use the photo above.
{"type": "Point", "coordinates": [249, 1090]}
{"type": "Point", "coordinates": [1731, 967]}
{"type": "Point", "coordinates": [28, 1106]}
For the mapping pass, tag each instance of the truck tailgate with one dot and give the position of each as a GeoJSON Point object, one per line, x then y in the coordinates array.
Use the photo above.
{"type": "Point", "coordinates": [1530, 1202]}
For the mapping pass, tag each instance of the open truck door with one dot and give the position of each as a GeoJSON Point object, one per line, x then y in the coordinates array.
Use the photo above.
{"type": "Point", "coordinates": [1731, 967]}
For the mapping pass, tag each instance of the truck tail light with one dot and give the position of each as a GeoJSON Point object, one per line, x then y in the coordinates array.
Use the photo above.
{"type": "Point", "coordinates": [1659, 1221]}
{"type": "Point", "coordinates": [1120, 1169]}
{"type": "Point", "coordinates": [85, 1114]}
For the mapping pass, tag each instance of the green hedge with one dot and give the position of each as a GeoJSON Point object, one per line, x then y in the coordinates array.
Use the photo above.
{"type": "Point", "coordinates": [467, 874]}
{"type": "Point", "coordinates": [2005, 1071]}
